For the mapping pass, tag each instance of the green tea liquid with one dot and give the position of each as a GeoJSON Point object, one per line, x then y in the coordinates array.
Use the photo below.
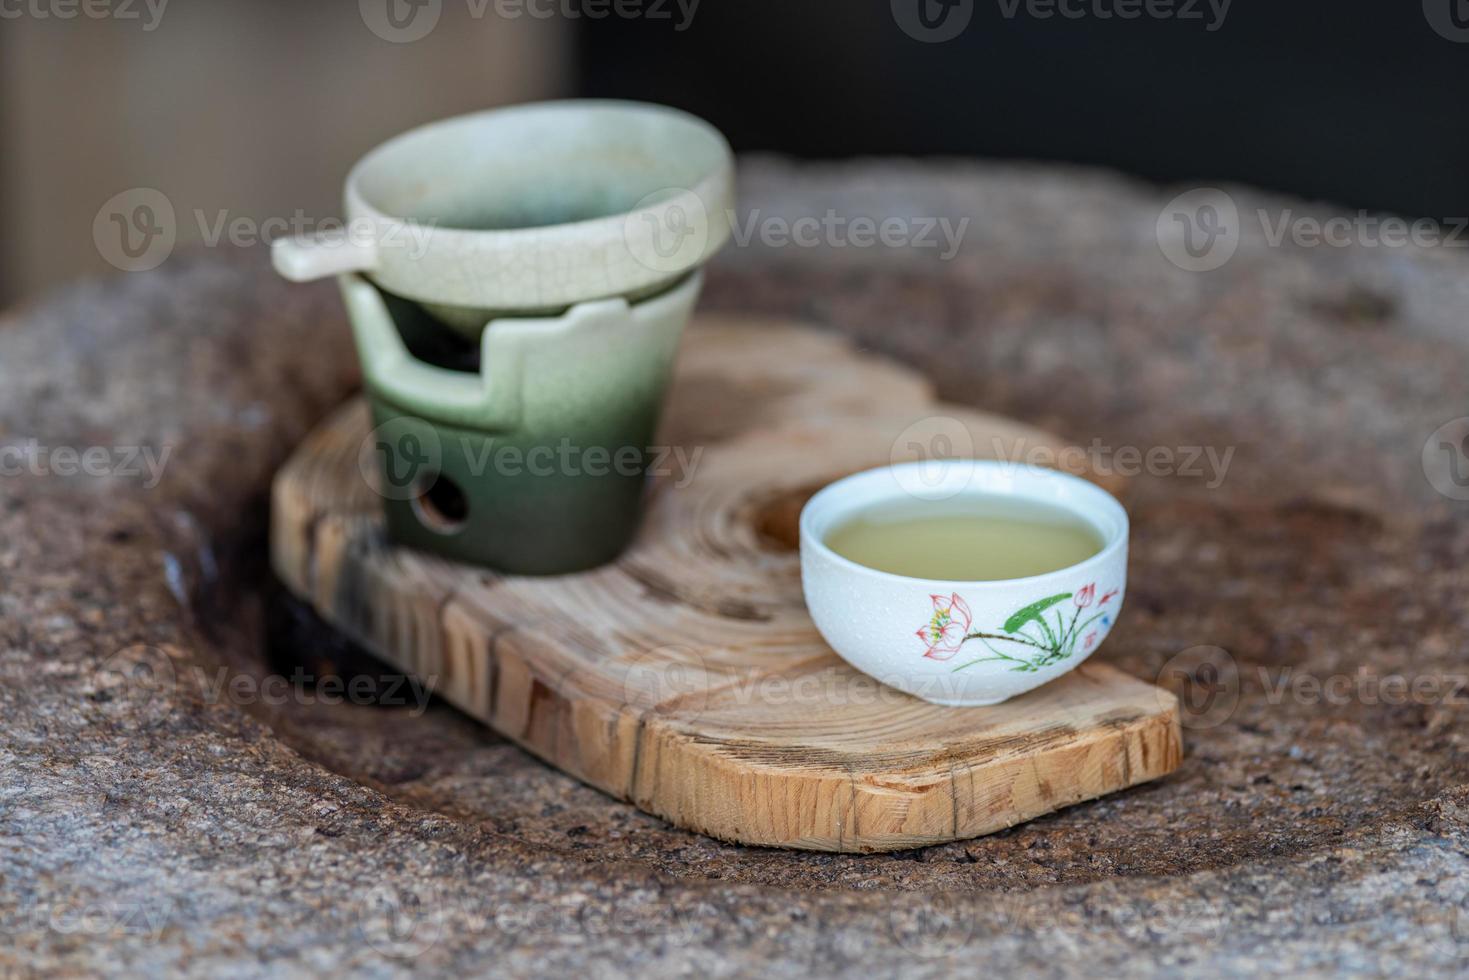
{"type": "Point", "coordinates": [970, 538]}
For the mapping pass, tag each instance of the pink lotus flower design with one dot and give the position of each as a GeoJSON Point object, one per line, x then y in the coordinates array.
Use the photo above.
{"type": "Point", "coordinates": [944, 633]}
{"type": "Point", "coordinates": [1038, 626]}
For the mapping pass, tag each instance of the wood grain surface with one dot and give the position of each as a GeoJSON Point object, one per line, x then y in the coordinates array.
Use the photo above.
{"type": "Point", "coordinates": [687, 677]}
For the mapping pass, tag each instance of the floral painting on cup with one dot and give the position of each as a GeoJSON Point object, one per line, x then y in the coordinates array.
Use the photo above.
{"type": "Point", "coordinates": [1035, 636]}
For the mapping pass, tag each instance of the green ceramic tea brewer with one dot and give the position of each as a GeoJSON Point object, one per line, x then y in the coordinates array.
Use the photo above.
{"type": "Point", "coordinates": [563, 241]}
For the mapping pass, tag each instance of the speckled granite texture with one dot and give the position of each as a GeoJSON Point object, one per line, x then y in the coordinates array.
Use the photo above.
{"type": "Point", "coordinates": [172, 800]}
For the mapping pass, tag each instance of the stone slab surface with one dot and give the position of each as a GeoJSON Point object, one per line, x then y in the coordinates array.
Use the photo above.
{"type": "Point", "coordinates": [171, 803]}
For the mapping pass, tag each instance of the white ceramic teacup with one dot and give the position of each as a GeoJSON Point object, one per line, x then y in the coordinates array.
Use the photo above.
{"type": "Point", "coordinates": [963, 643]}
{"type": "Point", "coordinates": [529, 210]}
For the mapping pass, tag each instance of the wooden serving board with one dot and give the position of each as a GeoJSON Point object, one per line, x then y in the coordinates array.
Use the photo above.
{"type": "Point", "coordinates": [687, 677]}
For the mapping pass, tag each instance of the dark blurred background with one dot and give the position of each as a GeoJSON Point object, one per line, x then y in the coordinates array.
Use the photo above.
{"type": "Point", "coordinates": [1356, 101]}
{"type": "Point", "coordinates": [256, 108]}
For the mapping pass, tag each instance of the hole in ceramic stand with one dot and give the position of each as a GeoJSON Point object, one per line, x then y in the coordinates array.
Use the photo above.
{"type": "Point", "coordinates": [441, 505]}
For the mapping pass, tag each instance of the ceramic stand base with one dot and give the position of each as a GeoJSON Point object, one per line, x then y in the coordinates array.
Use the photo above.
{"type": "Point", "coordinates": [686, 677]}
{"type": "Point", "coordinates": [535, 462]}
